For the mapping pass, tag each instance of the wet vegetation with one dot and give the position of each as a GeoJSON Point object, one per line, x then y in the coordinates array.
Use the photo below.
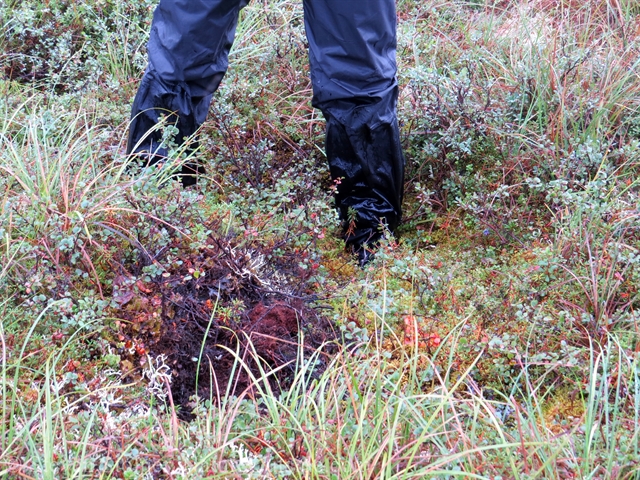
{"type": "Point", "coordinates": [221, 331]}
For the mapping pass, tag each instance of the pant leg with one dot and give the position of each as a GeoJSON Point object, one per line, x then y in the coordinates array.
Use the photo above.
{"type": "Point", "coordinates": [352, 54]}
{"type": "Point", "coordinates": [188, 56]}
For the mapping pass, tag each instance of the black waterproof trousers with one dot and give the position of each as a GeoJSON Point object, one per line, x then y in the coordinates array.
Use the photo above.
{"type": "Point", "coordinates": [352, 54]}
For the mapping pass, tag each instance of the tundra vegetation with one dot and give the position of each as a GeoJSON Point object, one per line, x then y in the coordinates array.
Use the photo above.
{"type": "Point", "coordinates": [150, 331]}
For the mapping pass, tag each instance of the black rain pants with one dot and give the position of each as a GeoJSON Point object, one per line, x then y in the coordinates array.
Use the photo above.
{"type": "Point", "coordinates": [352, 55]}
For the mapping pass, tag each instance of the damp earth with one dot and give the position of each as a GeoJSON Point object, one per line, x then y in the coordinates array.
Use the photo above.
{"type": "Point", "coordinates": [218, 316]}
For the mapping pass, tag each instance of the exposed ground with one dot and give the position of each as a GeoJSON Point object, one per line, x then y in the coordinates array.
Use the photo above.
{"type": "Point", "coordinates": [220, 303]}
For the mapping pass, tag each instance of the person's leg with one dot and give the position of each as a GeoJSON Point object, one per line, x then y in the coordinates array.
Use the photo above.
{"type": "Point", "coordinates": [352, 53]}
{"type": "Point", "coordinates": [188, 56]}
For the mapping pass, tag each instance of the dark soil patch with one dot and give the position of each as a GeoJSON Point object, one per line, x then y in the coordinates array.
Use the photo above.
{"type": "Point", "coordinates": [214, 306]}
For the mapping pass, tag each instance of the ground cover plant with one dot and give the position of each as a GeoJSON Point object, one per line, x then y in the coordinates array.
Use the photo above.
{"type": "Point", "coordinates": [150, 331]}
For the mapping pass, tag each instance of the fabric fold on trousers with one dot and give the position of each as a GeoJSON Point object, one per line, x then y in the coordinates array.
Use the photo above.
{"type": "Point", "coordinates": [352, 55]}
{"type": "Point", "coordinates": [370, 167]}
{"type": "Point", "coordinates": [188, 53]}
